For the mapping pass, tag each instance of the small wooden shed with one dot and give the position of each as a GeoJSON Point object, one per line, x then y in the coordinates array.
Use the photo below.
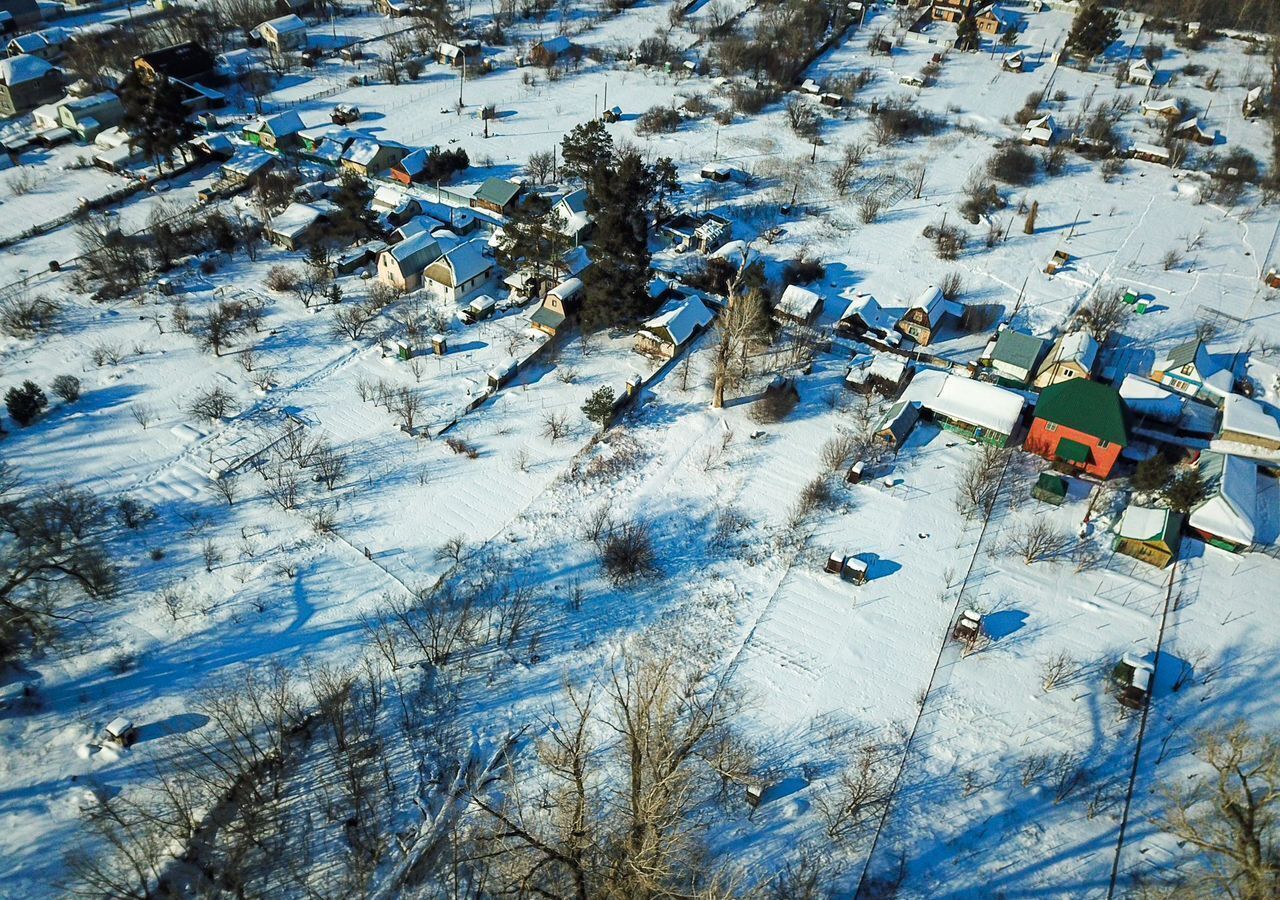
{"type": "Point", "coordinates": [1132, 677]}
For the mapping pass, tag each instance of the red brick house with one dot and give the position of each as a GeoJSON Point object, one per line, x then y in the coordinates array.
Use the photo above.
{"type": "Point", "coordinates": [1081, 424]}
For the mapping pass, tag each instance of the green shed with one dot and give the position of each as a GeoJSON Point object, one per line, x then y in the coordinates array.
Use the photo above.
{"type": "Point", "coordinates": [1050, 488]}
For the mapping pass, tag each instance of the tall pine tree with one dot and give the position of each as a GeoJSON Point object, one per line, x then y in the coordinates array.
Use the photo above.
{"type": "Point", "coordinates": [616, 285]}
{"type": "Point", "coordinates": [967, 35]}
{"type": "Point", "coordinates": [1093, 30]}
{"type": "Point", "coordinates": [584, 150]}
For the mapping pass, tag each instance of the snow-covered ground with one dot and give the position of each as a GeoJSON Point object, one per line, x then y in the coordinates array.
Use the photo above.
{"type": "Point", "coordinates": [1006, 788]}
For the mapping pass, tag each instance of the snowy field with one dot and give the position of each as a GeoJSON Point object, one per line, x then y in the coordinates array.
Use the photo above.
{"type": "Point", "coordinates": [1003, 786]}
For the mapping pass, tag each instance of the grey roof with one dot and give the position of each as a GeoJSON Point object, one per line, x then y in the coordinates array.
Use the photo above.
{"type": "Point", "coordinates": [416, 253]}
{"type": "Point", "coordinates": [1019, 350]}
{"type": "Point", "coordinates": [1183, 354]}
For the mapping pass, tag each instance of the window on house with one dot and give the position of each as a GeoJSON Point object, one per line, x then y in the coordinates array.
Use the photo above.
{"type": "Point", "coordinates": [1050, 426]}
{"type": "Point", "coordinates": [1102, 445]}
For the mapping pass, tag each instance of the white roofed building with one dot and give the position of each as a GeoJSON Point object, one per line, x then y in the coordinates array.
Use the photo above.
{"type": "Point", "coordinates": [1227, 517]}
{"type": "Point", "coordinates": [664, 335]}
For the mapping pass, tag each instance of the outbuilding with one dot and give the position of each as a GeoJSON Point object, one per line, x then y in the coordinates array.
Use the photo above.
{"type": "Point", "coordinates": [1148, 534]}
{"type": "Point", "coordinates": [1244, 421]}
{"type": "Point", "coordinates": [798, 305]}
{"type": "Point", "coordinates": [665, 335]}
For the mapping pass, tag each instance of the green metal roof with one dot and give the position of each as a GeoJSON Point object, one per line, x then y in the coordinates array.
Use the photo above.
{"type": "Point", "coordinates": [1088, 406]}
{"type": "Point", "coordinates": [1017, 349]}
{"type": "Point", "coordinates": [497, 191]}
{"type": "Point", "coordinates": [1072, 451]}
{"type": "Point", "coordinates": [1054, 485]}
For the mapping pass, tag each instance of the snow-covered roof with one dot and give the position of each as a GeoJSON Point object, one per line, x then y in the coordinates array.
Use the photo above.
{"type": "Point", "coordinates": [298, 217]}
{"type": "Point", "coordinates": [1143, 523]}
{"type": "Point", "coordinates": [1168, 107]}
{"type": "Point", "coordinates": [284, 25]}
{"type": "Point", "coordinates": [414, 163]}
{"type": "Point", "coordinates": [966, 400]}
{"type": "Point", "coordinates": [1231, 497]}
{"type": "Point", "coordinates": [1151, 150]}
{"type": "Point", "coordinates": [466, 261]}
{"type": "Point", "coordinates": [887, 366]}
{"type": "Point", "coordinates": [556, 45]}
{"type": "Point", "coordinates": [1144, 397]}
{"type": "Point", "coordinates": [361, 151]}
{"type": "Point", "coordinates": [567, 289]}
{"type": "Point", "coordinates": [798, 302]}
{"type": "Point", "coordinates": [23, 68]}
{"type": "Point", "coordinates": [248, 162]}
{"type": "Point", "coordinates": [1042, 128]}
{"type": "Point", "coordinates": [1245, 416]}
{"type": "Point", "coordinates": [679, 322]}
{"type": "Point", "coordinates": [935, 305]}
{"type": "Point", "coordinates": [573, 212]}
{"type": "Point", "coordinates": [415, 253]}
{"type": "Point", "coordinates": [388, 199]}
{"type": "Point", "coordinates": [280, 125]}
{"type": "Point", "coordinates": [868, 308]}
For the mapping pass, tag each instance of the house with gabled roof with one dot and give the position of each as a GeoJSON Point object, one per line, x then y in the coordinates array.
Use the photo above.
{"type": "Point", "coordinates": [497, 195]}
{"type": "Point", "coordinates": [1151, 535]}
{"type": "Point", "coordinates": [978, 410]}
{"type": "Point", "coordinates": [1227, 516]}
{"type": "Point", "coordinates": [898, 422]}
{"type": "Point", "coordinates": [798, 305]}
{"type": "Point", "coordinates": [667, 333]}
{"type": "Point", "coordinates": [1188, 369]}
{"type": "Point", "coordinates": [1140, 72]}
{"type": "Point", "coordinates": [411, 168]}
{"type": "Point", "coordinates": [1015, 356]}
{"type": "Point", "coordinates": [549, 52]}
{"type": "Point", "coordinates": [283, 33]}
{"type": "Point", "coordinates": [401, 266]}
{"type": "Point", "coordinates": [1167, 108]}
{"type": "Point", "coordinates": [1255, 104]}
{"type": "Point", "coordinates": [274, 132]}
{"type": "Point", "coordinates": [367, 156]}
{"type": "Point", "coordinates": [1073, 355]}
{"type": "Point", "coordinates": [559, 306]}
{"type": "Point", "coordinates": [1192, 130]}
{"type": "Point", "coordinates": [576, 222]}
{"type": "Point", "coordinates": [922, 321]}
{"type": "Point", "coordinates": [1081, 424]}
{"type": "Point", "coordinates": [26, 82]}
{"type": "Point", "coordinates": [185, 62]}
{"type": "Point", "coordinates": [458, 272]}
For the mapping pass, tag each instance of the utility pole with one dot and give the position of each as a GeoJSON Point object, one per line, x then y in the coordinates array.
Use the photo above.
{"type": "Point", "coordinates": [1072, 232]}
{"type": "Point", "coordinates": [606, 93]}
{"type": "Point", "coordinates": [462, 77]}
{"type": "Point", "coordinates": [716, 155]}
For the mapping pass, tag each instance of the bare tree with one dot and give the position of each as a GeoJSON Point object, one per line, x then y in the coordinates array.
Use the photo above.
{"type": "Point", "coordinates": [227, 486]}
{"type": "Point", "coordinates": [1039, 540]}
{"type": "Point", "coordinates": [1226, 817]}
{"type": "Point", "coordinates": [744, 325]}
{"type": "Point", "coordinates": [332, 466]}
{"type": "Point", "coordinates": [541, 165]}
{"type": "Point", "coordinates": [860, 793]}
{"type": "Point", "coordinates": [555, 426]}
{"type": "Point", "coordinates": [213, 404]}
{"type": "Point", "coordinates": [979, 484]}
{"type": "Point", "coordinates": [1103, 315]}
{"type": "Point", "coordinates": [406, 404]}
{"type": "Point", "coordinates": [1058, 669]}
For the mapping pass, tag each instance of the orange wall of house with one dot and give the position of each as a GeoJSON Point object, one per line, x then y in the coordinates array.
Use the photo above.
{"type": "Point", "coordinates": [1044, 443]}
